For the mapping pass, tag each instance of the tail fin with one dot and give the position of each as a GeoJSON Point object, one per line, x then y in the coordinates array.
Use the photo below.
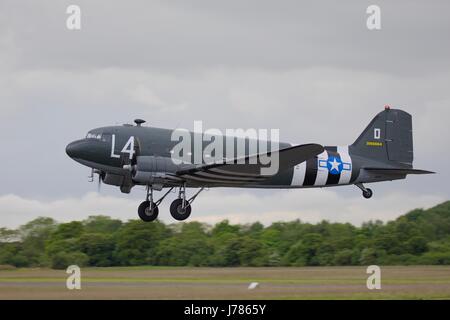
{"type": "Point", "coordinates": [387, 138]}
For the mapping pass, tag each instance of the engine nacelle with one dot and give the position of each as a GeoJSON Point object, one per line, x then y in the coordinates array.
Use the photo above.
{"type": "Point", "coordinates": [154, 170]}
{"type": "Point", "coordinates": [113, 179]}
{"type": "Point", "coordinates": [155, 164]}
{"type": "Point", "coordinates": [123, 181]}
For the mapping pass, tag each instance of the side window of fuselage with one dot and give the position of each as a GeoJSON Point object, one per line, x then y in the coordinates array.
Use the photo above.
{"type": "Point", "coordinates": [106, 137]}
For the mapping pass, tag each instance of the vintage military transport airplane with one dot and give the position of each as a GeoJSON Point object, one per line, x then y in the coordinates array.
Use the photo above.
{"type": "Point", "coordinates": [130, 155]}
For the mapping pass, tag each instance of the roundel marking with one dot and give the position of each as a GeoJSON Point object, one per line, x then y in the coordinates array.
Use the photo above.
{"type": "Point", "coordinates": [334, 165]}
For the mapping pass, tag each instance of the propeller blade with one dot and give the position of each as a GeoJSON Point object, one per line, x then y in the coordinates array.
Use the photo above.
{"type": "Point", "coordinates": [99, 184]}
{"type": "Point", "coordinates": [91, 176]}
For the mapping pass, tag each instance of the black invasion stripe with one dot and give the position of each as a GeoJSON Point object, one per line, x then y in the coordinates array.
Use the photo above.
{"type": "Point", "coordinates": [231, 174]}
{"type": "Point", "coordinates": [333, 178]}
{"type": "Point", "coordinates": [355, 173]}
{"type": "Point", "coordinates": [203, 179]}
{"type": "Point", "coordinates": [213, 175]}
{"type": "Point", "coordinates": [224, 171]}
{"type": "Point", "coordinates": [196, 177]}
{"type": "Point", "coordinates": [311, 172]}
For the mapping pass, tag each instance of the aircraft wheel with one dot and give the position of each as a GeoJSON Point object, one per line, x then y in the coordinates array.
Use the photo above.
{"type": "Point", "coordinates": [177, 211]}
{"type": "Point", "coordinates": [145, 213]}
{"type": "Point", "coordinates": [368, 193]}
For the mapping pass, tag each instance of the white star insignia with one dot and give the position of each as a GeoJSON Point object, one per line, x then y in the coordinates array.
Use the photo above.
{"type": "Point", "coordinates": [334, 165]}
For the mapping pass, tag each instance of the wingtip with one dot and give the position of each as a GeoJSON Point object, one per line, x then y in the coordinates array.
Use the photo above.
{"type": "Point", "coordinates": [425, 171]}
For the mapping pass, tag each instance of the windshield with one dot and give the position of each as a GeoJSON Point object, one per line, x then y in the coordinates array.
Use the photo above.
{"type": "Point", "coordinates": [92, 135]}
{"type": "Point", "coordinates": [102, 136]}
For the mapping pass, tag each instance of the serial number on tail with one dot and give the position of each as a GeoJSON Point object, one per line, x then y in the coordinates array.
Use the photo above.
{"type": "Point", "coordinates": [374, 144]}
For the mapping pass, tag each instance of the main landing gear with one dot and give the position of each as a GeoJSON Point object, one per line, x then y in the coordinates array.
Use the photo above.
{"type": "Point", "coordinates": [148, 210]}
{"type": "Point", "coordinates": [180, 209]}
{"type": "Point", "coordinates": [366, 192]}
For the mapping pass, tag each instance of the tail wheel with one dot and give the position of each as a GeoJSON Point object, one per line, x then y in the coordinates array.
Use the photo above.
{"type": "Point", "coordinates": [368, 193]}
{"type": "Point", "coordinates": [178, 212]}
{"type": "Point", "coordinates": [145, 213]}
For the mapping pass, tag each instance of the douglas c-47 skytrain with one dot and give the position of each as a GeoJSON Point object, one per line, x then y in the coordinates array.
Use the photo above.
{"type": "Point", "coordinates": [130, 155]}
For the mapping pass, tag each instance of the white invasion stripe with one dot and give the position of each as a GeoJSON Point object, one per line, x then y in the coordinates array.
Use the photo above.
{"type": "Point", "coordinates": [322, 173]}
{"type": "Point", "coordinates": [298, 177]}
{"type": "Point", "coordinates": [345, 157]}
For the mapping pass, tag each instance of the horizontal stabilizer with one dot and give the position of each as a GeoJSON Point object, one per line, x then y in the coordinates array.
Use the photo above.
{"type": "Point", "coordinates": [401, 171]}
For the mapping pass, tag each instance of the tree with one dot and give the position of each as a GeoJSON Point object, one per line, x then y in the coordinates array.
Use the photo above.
{"type": "Point", "coordinates": [137, 242]}
{"type": "Point", "coordinates": [230, 252]}
{"type": "Point", "coordinates": [10, 255]}
{"type": "Point", "coordinates": [417, 245]}
{"type": "Point", "coordinates": [8, 235]}
{"type": "Point", "coordinates": [190, 247]}
{"type": "Point", "coordinates": [224, 227]}
{"type": "Point", "coordinates": [63, 242]}
{"type": "Point", "coordinates": [34, 235]}
{"type": "Point", "coordinates": [343, 258]}
{"type": "Point", "coordinates": [101, 224]}
{"type": "Point", "coordinates": [419, 237]}
{"type": "Point", "coordinates": [68, 230]}
{"type": "Point", "coordinates": [369, 256]}
{"type": "Point", "coordinates": [251, 252]}
{"type": "Point", "coordinates": [62, 260]}
{"type": "Point", "coordinates": [99, 248]}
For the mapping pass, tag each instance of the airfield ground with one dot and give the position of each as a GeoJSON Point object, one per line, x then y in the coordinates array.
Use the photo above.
{"type": "Point", "coordinates": [416, 282]}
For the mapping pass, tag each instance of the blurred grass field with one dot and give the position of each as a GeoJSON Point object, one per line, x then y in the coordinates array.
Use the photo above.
{"type": "Point", "coordinates": [412, 282]}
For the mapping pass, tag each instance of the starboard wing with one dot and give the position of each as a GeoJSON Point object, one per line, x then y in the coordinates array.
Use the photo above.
{"type": "Point", "coordinates": [250, 169]}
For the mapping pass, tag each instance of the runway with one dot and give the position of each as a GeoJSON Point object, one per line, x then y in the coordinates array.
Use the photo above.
{"type": "Point", "coordinates": [227, 283]}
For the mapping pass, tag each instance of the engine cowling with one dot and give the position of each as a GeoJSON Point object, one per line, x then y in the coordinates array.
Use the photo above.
{"type": "Point", "coordinates": [113, 179]}
{"type": "Point", "coordinates": [154, 170]}
{"type": "Point", "coordinates": [123, 181]}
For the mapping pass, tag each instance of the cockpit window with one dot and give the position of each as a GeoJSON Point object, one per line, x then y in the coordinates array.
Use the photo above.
{"type": "Point", "coordinates": [97, 136]}
{"type": "Point", "coordinates": [101, 136]}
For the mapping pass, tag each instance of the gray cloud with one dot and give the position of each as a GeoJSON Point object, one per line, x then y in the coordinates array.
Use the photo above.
{"type": "Point", "coordinates": [312, 70]}
{"type": "Point", "coordinates": [172, 35]}
{"type": "Point", "coordinates": [242, 207]}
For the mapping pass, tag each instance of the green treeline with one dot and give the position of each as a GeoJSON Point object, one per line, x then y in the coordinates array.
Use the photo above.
{"type": "Point", "coordinates": [419, 237]}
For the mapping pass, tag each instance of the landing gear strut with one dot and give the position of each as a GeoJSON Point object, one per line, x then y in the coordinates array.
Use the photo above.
{"type": "Point", "coordinates": [366, 192]}
{"type": "Point", "coordinates": [180, 209]}
{"type": "Point", "coordinates": [148, 210]}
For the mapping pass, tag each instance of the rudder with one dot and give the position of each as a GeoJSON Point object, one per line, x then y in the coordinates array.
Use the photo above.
{"type": "Point", "coordinates": [388, 137]}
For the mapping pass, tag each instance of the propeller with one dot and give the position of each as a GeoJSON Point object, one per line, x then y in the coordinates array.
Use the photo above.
{"type": "Point", "coordinates": [99, 181]}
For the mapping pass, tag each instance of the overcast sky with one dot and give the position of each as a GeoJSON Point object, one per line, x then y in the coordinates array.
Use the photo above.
{"type": "Point", "coordinates": [311, 69]}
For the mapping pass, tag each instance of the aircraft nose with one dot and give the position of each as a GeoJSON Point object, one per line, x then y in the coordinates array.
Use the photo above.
{"type": "Point", "coordinates": [70, 149]}
{"type": "Point", "coordinates": [73, 149]}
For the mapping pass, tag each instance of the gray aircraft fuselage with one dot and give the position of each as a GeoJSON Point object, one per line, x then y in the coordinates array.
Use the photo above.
{"type": "Point", "coordinates": [97, 149]}
{"type": "Point", "coordinates": [128, 155]}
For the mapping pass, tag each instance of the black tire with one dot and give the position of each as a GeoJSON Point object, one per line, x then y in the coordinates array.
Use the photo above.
{"type": "Point", "coordinates": [368, 193]}
{"type": "Point", "coordinates": [177, 212]}
{"type": "Point", "coordinates": [145, 214]}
